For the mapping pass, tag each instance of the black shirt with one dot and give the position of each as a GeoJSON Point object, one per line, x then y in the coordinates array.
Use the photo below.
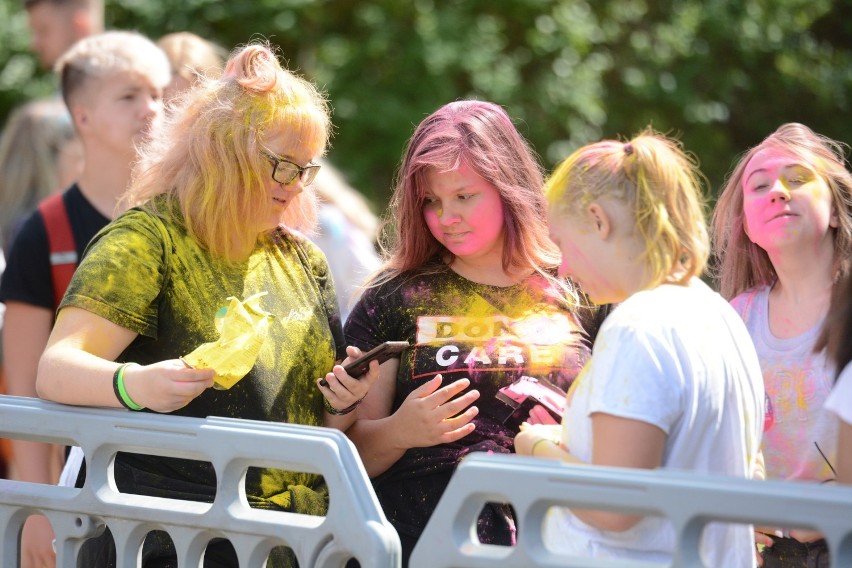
{"type": "Point", "coordinates": [488, 334]}
{"type": "Point", "coordinates": [28, 277]}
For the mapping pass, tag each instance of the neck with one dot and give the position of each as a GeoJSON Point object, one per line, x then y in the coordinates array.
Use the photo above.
{"type": "Point", "coordinates": [801, 296]}
{"type": "Point", "coordinates": [804, 275]}
{"type": "Point", "coordinates": [243, 249]}
{"type": "Point", "coordinates": [630, 270]}
{"type": "Point", "coordinates": [103, 181]}
{"type": "Point", "coordinates": [488, 271]}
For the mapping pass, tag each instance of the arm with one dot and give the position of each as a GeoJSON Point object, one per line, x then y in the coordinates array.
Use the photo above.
{"type": "Point", "coordinates": [25, 334]}
{"type": "Point", "coordinates": [372, 433]}
{"type": "Point", "coordinates": [428, 417]}
{"type": "Point", "coordinates": [617, 442]}
{"type": "Point", "coordinates": [24, 338]}
{"type": "Point", "coordinates": [844, 453]}
{"type": "Point", "coordinates": [78, 364]}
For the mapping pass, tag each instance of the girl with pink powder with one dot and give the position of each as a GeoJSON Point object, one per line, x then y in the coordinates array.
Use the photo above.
{"type": "Point", "coordinates": [783, 238]}
{"type": "Point", "coordinates": [470, 281]}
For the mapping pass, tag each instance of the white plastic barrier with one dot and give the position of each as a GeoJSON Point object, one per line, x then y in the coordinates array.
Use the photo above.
{"type": "Point", "coordinates": [354, 526]}
{"type": "Point", "coordinates": [690, 501]}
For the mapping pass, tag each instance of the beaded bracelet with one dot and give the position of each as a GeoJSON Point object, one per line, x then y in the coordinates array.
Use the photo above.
{"type": "Point", "coordinates": [331, 410]}
{"type": "Point", "coordinates": [120, 391]}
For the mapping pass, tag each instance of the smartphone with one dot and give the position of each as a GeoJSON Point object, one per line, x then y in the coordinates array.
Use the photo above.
{"type": "Point", "coordinates": [381, 353]}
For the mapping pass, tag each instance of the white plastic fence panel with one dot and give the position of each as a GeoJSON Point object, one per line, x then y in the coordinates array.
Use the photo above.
{"type": "Point", "coordinates": [689, 500]}
{"type": "Point", "coordinates": [354, 526]}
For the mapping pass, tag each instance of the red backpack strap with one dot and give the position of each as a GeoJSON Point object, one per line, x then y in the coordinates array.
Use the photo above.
{"type": "Point", "coordinates": [60, 239]}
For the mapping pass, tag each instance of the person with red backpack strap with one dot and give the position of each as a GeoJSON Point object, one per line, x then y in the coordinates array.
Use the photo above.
{"type": "Point", "coordinates": [115, 102]}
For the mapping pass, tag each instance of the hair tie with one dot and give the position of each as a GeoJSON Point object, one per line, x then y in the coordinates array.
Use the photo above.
{"type": "Point", "coordinates": [628, 149]}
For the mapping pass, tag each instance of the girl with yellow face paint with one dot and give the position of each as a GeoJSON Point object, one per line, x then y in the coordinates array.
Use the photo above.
{"type": "Point", "coordinates": [207, 275]}
{"type": "Point", "coordinates": [783, 238]}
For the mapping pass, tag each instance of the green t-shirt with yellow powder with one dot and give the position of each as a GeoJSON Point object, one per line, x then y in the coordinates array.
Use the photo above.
{"type": "Point", "coordinates": [146, 274]}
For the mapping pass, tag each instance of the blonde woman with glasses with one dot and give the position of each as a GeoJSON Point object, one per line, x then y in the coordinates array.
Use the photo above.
{"type": "Point", "coordinates": [216, 206]}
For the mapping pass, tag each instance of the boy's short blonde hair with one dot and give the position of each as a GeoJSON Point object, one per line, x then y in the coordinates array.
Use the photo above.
{"type": "Point", "coordinates": [103, 55]}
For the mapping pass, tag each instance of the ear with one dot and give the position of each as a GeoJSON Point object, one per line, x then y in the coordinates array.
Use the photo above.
{"type": "Point", "coordinates": [82, 23]}
{"type": "Point", "coordinates": [834, 220]}
{"type": "Point", "coordinates": [600, 221]}
{"type": "Point", "coordinates": [80, 117]}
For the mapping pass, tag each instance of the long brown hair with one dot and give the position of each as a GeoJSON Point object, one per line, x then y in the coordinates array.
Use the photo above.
{"type": "Point", "coordinates": [741, 264]}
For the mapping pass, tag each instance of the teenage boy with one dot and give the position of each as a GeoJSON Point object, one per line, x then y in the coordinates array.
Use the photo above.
{"type": "Point", "coordinates": [56, 25]}
{"type": "Point", "coordinates": [112, 84]}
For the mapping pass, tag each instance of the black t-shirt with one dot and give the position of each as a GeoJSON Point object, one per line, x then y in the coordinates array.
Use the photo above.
{"type": "Point", "coordinates": [493, 336]}
{"type": "Point", "coordinates": [28, 278]}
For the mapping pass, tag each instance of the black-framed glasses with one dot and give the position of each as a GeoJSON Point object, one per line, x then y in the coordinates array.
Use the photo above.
{"type": "Point", "coordinates": [285, 172]}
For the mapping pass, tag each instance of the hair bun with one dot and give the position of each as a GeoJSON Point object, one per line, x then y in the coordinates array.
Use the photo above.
{"type": "Point", "coordinates": [255, 68]}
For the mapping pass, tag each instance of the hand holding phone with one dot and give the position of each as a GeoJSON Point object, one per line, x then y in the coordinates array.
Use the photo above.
{"type": "Point", "coordinates": [380, 353]}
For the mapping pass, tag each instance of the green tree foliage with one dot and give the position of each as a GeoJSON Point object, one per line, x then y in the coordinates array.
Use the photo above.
{"type": "Point", "coordinates": [719, 74]}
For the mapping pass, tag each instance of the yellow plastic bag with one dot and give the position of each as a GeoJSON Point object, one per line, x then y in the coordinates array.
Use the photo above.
{"type": "Point", "coordinates": [242, 328]}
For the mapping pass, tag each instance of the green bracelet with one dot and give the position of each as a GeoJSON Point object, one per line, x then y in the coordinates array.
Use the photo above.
{"type": "Point", "coordinates": [120, 391]}
{"type": "Point", "coordinates": [537, 442]}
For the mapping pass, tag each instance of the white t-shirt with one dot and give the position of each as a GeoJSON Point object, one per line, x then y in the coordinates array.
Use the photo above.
{"type": "Point", "coordinates": [840, 400]}
{"type": "Point", "coordinates": [797, 382]}
{"type": "Point", "coordinates": [680, 358]}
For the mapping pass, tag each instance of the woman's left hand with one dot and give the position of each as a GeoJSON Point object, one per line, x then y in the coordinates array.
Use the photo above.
{"type": "Point", "coordinates": [342, 390]}
{"type": "Point", "coordinates": [531, 434]}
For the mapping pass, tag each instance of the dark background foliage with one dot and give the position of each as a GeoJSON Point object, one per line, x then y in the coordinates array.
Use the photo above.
{"type": "Point", "coordinates": [718, 74]}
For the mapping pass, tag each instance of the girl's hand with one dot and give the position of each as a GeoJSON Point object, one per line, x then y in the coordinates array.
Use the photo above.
{"type": "Point", "coordinates": [431, 415]}
{"type": "Point", "coordinates": [532, 434]}
{"type": "Point", "coordinates": [342, 390]}
{"type": "Point", "coordinates": [166, 386]}
{"type": "Point", "coordinates": [540, 415]}
{"type": "Point", "coordinates": [762, 540]}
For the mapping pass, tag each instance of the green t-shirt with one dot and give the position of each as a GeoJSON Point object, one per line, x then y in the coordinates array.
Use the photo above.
{"type": "Point", "coordinates": [146, 274]}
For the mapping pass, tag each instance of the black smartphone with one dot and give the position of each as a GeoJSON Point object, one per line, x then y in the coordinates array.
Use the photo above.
{"type": "Point", "coordinates": [381, 353]}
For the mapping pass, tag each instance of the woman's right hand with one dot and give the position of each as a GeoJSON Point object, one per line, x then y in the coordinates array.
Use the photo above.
{"type": "Point", "coordinates": [166, 386]}
{"type": "Point", "coordinates": [433, 415]}
{"type": "Point", "coordinates": [539, 415]}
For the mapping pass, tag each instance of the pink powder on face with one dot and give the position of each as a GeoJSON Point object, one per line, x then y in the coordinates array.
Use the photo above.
{"type": "Point", "coordinates": [785, 201]}
{"type": "Point", "coordinates": [464, 213]}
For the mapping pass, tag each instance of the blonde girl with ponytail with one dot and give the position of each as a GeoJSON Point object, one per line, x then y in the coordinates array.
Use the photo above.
{"type": "Point", "coordinates": [673, 381]}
